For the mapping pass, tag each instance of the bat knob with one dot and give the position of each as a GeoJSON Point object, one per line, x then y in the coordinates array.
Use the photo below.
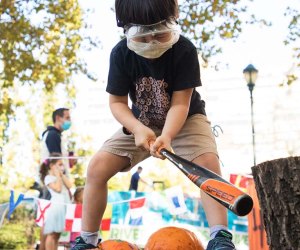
{"type": "Point", "coordinates": [243, 205]}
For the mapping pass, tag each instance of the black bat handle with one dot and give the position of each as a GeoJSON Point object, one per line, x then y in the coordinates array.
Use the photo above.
{"type": "Point", "coordinates": [164, 152]}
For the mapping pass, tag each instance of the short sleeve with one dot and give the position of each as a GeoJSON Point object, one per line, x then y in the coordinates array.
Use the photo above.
{"type": "Point", "coordinates": [187, 70]}
{"type": "Point", "coordinates": [49, 179]}
{"type": "Point", "coordinates": [118, 79]}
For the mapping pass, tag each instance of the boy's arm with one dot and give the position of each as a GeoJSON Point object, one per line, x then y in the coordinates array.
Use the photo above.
{"type": "Point", "coordinates": [123, 114]}
{"type": "Point", "coordinates": [175, 119]}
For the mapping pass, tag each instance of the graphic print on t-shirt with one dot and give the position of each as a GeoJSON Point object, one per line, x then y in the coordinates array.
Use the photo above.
{"type": "Point", "coordinates": [153, 101]}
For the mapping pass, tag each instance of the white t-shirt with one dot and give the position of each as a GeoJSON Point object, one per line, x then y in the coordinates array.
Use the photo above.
{"type": "Point", "coordinates": [63, 196]}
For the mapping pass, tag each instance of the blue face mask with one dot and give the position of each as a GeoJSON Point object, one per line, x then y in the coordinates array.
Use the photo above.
{"type": "Point", "coordinates": [66, 125]}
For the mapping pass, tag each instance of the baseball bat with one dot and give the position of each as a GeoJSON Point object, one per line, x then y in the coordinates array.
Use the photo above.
{"type": "Point", "coordinates": [212, 184]}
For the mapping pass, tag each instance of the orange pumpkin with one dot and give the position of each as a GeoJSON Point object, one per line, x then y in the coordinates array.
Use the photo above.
{"type": "Point", "coordinates": [117, 245]}
{"type": "Point", "coordinates": [169, 238]}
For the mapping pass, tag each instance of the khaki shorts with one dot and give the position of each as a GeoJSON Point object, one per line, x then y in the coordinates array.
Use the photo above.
{"type": "Point", "coordinates": [194, 139]}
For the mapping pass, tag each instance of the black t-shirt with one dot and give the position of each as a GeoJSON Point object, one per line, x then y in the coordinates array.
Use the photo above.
{"type": "Point", "coordinates": [150, 83]}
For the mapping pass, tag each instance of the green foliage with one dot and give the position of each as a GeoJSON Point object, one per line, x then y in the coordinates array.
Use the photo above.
{"type": "Point", "coordinates": [4, 194]}
{"type": "Point", "coordinates": [40, 41]}
{"type": "Point", "coordinates": [119, 182]}
{"type": "Point", "coordinates": [294, 26]}
{"type": "Point", "coordinates": [44, 49]}
{"type": "Point", "coordinates": [206, 22]}
{"type": "Point", "coordinates": [77, 171]}
{"type": "Point", "coordinates": [22, 224]}
{"type": "Point", "coordinates": [84, 150]}
{"type": "Point", "coordinates": [16, 240]}
{"type": "Point", "coordinates": [293, 37]}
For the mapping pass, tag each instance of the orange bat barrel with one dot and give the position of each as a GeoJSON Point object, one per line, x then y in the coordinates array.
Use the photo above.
{"type": "Point", "coordinates": [212, 184]}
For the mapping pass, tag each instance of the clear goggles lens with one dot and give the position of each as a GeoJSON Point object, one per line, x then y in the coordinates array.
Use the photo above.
{"type": "Point", "coordinates": [159, 31]}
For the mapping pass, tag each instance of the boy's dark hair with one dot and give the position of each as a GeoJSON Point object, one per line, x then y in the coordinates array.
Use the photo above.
{"type": "Point", "coordinates": [59, 112]}
{"type": "Point", "coordinates": [144, 11]}
{"type": "Point", "coordinates": [140, 168]}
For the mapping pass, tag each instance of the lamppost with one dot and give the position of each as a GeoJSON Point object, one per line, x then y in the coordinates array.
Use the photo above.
{"type": "Point", "coordinates": [250, 74]}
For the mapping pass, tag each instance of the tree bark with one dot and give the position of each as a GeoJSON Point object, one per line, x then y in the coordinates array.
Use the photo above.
{"type": "Point", "coordinates": [278, 188]}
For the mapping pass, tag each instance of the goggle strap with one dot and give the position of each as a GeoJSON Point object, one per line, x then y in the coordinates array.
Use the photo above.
{"type": "Point", "coordinates": [128, 26]}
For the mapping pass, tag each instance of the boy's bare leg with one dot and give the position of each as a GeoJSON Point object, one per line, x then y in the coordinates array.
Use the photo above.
{"type": "Point", "coordinates": [216, 214]}
{"type": "Point", "coordinates": [101, 168]}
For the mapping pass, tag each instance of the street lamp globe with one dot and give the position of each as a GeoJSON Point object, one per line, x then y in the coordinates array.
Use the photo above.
{"type": "Point", "coordinates": [250, 74]}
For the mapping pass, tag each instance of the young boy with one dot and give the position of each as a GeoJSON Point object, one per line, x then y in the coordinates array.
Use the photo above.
{"type": "Point", "coordinates": [159, 70]}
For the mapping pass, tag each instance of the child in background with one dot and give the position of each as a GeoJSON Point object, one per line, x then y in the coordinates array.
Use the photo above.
{"type": "Point", "coordinates": [53, 177]}
{"type": "Point", "coordinates": [78, 195]}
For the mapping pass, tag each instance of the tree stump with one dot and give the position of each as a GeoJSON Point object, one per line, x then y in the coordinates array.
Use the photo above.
{"type": "Point", "coordinates": [257, 235]}
{"type": "Point", "coordinates": [278, 188]}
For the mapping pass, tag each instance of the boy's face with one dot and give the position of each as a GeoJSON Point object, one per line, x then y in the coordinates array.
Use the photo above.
{"type": "Point", "coordinates": [151, 41]}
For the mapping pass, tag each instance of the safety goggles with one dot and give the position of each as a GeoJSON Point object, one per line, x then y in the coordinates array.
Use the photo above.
{"type": "Point", "coordinates": [161, 31]}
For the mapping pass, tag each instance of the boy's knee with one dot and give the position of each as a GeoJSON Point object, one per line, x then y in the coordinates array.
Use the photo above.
{"type": "Point", "coordinates": [105, 165]}
{"type": "Point", "coordinates": [208, 157]}
{"type": "Point", "coordinates": [95, 165]}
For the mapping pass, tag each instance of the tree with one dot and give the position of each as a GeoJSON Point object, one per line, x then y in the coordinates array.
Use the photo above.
{"type": "Point", "coordinates": [293, 37]}
{"type": "Point", "coordinates": [40, 41]}
{"type": "Point", "coordinates": [208, 21]}
{"type": "Point", "coordinates": [277, 186]}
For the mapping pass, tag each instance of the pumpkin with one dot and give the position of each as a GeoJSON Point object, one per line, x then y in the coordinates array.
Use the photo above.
{"type": "Point", "coordinates": [117, 245]}
{"type": "Point", "coordinates": [173, 238]}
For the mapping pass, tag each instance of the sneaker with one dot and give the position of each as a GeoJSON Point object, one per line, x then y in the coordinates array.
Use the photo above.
{"type": "Point", "coordinates": [81, 245]}
{"type": "Point", "coordinates": [222, 241]}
